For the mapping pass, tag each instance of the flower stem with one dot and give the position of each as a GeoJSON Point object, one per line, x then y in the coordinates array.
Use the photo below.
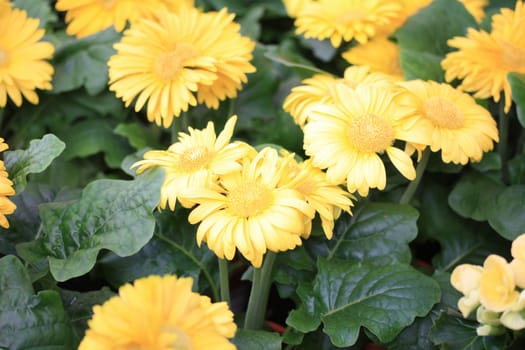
{"type": "Point", "coordinates": [259, 293]}
{"type": "Point", "coordinates": [420, 170]}
{"type": "Point", "coordinates": [179, 124]}
{"type": "Point", "coordinates": [224, 280]}
{"type": "Point", "coordinates": [503, 120]}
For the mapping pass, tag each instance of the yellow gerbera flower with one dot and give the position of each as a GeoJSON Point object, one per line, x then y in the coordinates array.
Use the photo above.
{"type": "Point", "coordinates": [325, 197]}
{"type": "Point", "coordinates": [345, 19]}
{"type": "Point", "coordinates": [195, 161]}
{"type": "Point", "coordinates": [476, 8]}
{"type": "Point", "coordinates": [484, 59]}
{"type": "Point", "coordinates": [346, 137]}
{"type": "Point", "coordinates": [320, 89]}
{"type": "Point", "coordinates": [160, 313]}
{"type": "Point", "coordinates": [23, 68]}
{"type": "Point", "coordinates": [164, 63]}
{"type": "Point", "coordinates": [250, 211]}
{"type": "Point", "coordinates": [86, 17]}
{"type": "Point", "coordinates": [6, 189]}
{"type": "Point", "coordinates": [453, 121]}
{"type": "Point", "coordinates": [379, 54]}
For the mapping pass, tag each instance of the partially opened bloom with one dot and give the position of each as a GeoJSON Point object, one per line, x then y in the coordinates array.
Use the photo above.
{"type": "Point", "coordinates": [466, 278]}
{"type": "Point", "coordinates": [497, 289]}
{"type": "Point", "coordinates": [250, 212]}
{"type": "Point", "coordinates": [483, 59]}
{"type": "Point", "coordinates": [160, 313]}
{"type": "Point", "coordinates": [321, 89]}
{"type": "Point", "coordinates": [88, 17]}
{"type": "Point", "coordinates": [195, 161]}
{"type": "Point", "coordinates": [347, 137]}
{"type": "Point", "coordinates": [380, 55]}
{"type": "Point", "coordinates": [23, 55]}
{"type": "Point", "coordinates": [453, 121]}
{"type": "Point", "coordinates": [340, 20]}
{"type": "Point", "coordinates": [6, 189]}
{"type": "Point", "coordinates": [165, 63]}
{"type": "Point", "coordinates": [325, 197]}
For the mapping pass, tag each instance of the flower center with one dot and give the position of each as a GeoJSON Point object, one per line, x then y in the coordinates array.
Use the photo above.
{"type": "Point", "coordinates": [443, 113]}
{"type": "Point", "coordinates": [194, 158]}
{"type": "Point", "coordinates": [4, 58]}
{"type": "Point", "coordinates": [249, 199]}
{"type": "Point", "coordinates": [513, 57]}
{"type": "Point", "coordinates": [351, 15]}
{"type": "Point", "coordinates": [370, 133]}
{"type": "Point", "coordinates": [168, 64]}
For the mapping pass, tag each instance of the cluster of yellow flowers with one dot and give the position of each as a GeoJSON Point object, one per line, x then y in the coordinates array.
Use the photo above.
{"type": "Point", "coordinates": [348, 122]}
{"type": "Point", "coordinates": [246, 199]}
{"type": "Point", "coordinates": [6, 189]}
{"type": "Point", "coordinates": [495, 290]}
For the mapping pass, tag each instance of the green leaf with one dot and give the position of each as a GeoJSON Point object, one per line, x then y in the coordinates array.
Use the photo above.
{"type": "Point", "coordinates": [95, 135]}
{"type": "Point", "coordinates": [256, 340]}
{"type": "Point", "coordinates": [250, 25]}
{"type": "Point", "coordinates": [111, 214]}
{"type": "Point", "coordinates": [517, 170]}
{"type": "Point", "coordinates": [517, 84]}
{"type": "Point", "coordinates": [348, 296]}
{"type": "Point", "coordinates": [83, 62]}
{"type": "Point", "coordinates": [35, 159]}
{"type": "Point", "coordinates": [37, 9]}
{"type": "Point", "coordinates": [506, 213]}
{"type": "Point", "coordinates": [423, 38]}
{"type": "Point", "coordinates": [414, 337]}
{"type": "Point", "coordinates": [473, 195]}
{"type": "Point", "coordinates": [138, 135]}
{"type": "Point", "coordinates": [377, 233]}
{"type": "Point", "coordinates": [28, 320]}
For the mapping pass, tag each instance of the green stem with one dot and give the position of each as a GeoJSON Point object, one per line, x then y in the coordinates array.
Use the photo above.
{"type": "Point", "coordinates": [224, 280]}
{"type": "Point", "coordinates": [262, 279]}
{"type": "Point", "coordinates": [420, 170]}
{"type": "Point", "coordinates": [503, 120]}
{"type": "Point", "coordinates": [179, 124]}
{"type": "Point", "coordinates": [214, 290]}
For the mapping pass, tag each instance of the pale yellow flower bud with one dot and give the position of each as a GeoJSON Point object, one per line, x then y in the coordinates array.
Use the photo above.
{"type": "Point", "coordinates": [487, 317]}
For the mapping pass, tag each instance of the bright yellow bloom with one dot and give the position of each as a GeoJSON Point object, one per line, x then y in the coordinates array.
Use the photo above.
{"type": "Point", "coordinates": [326, 198]}
{"type": "Point", "coordinates": [379, 54]}
{"type": "Point", "coordinates": [497, 290]}
{"type": "Point", "coordinates": [484, 59]}
{"type": "Point", "coordinates": [347, 137]}
{"type": "Point", "coordinates": [6, 189]}
{"type": "Point", "coordinates": [86, 17]}
{"type": "Point", "coordinates": [408, 8]}
{"type": "Point", "coordinates": [195, 161]}
{"type": "Point", "coordinates": [321, 89]}
{"type": "Point", "coordinates": [475, 7]}
{"type": "Point", "coordinates": [250, 211]}
{"type": "Point", "coordinates": [466, 278]}
{"type": "Point", "coordinates": [453, 121]}
{"type": "Point", "coordinates": [165, 63]}
{"type": "Point", "coordinates": [160, 313]}
{"type": "Point", "coordinates": [345, 20]}
{"type": "Point", "coordinates": [23, 68]}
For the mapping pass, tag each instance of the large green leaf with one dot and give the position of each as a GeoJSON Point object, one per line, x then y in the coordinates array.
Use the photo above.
{"type": "Point", "coordinates": [348, 296]}
{"type": "Point", "coordinates": [423, 38]}
{"type": "Point", "coordinates": [83, 62]}
{"type": "Point", "coordinates": [506, 213]}
{"type": "Point", "coordinates": [111, 214]}
{"type": "Point", "coordinates": [517, 84]}
{"type": "Point", "coordinates": [256, 340]}
{"type": "Point", "coordinates": [29, 320]}
{"type": "Point", "coordinates": [414, 337]}
{"type": "Point", "coordinates": [35, 159]}
{"type": "Point", "coordinates": [473, 195]}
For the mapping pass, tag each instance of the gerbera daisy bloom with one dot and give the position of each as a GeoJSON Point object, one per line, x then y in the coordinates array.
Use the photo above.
{"type": "Point", "coordinates": [453, 121]}
{"type": "Point", "coordinates": [195, 161]}
{"type": "Point", "coordinates": [484, 59]}
{"type": "Point", "coordinates": [6, 189]}
{"type": "Point", "coordinates": [88, 17]}
{"type": "Point", "coordinates": [347, 137]}
{"type": "Point", "coordinates": [379, 54]}
{"type": "Point", "coordinates": [23, 68]}
{"type": "Point", "coordinates": [250, 211]}
{"type": "Point", "coordinates": [325, 197]}
{"type": "Point", "coordinates": [320, 89]}
{"type": "Point", "coordinates": [158, 313]}
{"type": "Point", "coordinates": [476, 8]}
{"type": "Point", "coordinates": [165, 63]}
{"type": "Point", "coordinates": [345, 20]}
